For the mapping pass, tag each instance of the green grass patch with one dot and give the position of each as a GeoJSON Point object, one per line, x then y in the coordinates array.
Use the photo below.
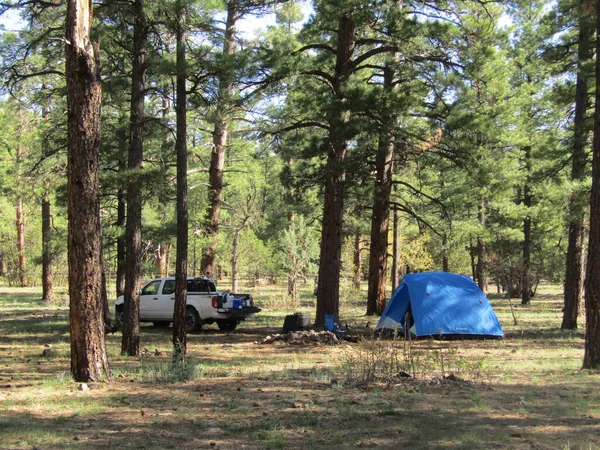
{"type": "Point", "coordinates": [526, 390]}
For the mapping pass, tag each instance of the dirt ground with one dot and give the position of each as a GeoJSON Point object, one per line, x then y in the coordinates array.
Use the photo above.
{"type": "Point", "coordinates": [522, 392]}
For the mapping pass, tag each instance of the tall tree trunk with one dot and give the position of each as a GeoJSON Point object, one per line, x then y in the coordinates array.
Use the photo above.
{"type": "Point", "coordinates": [130, 343]}
{"type": "Point", "coordinates": [163, 249]}
{"type": "Point", "coordinates": [480, 267]}
{"type": "Point", "coordinates": [445, 262]}
{"type": "Point", "coordinates": [384, 163]}
{"type": "Point", "coordinates": [220, 136]}
{"type": "Point", "coordinates": [472, 250]}
{"type": "Point", "coordinates": [328, 287]}
{"type": "Point", "coordinates": [235, 256]}
{"type": "Point", "coordinates": [384, 166]}
{"type": "Point", "coordinates": [181, 263]}
{"type": "Point", "coordinates": [357, 260]}
{"type": "Point", "coordinates": [396, 275]}
{"type": "Point", "coordinates": [527, 202]}
{"type": "Point", "coordinates": [20, 223]}
{"type": "Point", "coordinates": [47, 293]}
{"type": "Point", "coordinates": [289, 196]}
{"type": "Point", "coordinates": [574, 259]}
{"type": "Point", "coordinates": [20, 215]}
{"type": "Point", "coordinates": [88, 352]}
{"type": "Point", "coordinates": [121, 223]}
{"type": "Point", "coordinates": [104, 293]}
{"type": "Point", "coordinates": [591, 358]}
{"type": "Point", "coordinates": [160, 260]}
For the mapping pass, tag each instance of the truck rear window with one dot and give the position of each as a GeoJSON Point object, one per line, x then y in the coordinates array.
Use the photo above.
{"type": "Point", "coordinates": [200, 286]}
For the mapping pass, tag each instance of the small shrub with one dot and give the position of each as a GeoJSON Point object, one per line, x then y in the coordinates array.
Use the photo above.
{"type": "Point", "coordinates": [383, 360]}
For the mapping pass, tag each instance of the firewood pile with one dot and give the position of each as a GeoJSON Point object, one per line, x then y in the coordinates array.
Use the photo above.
{"type": "Point", "coordinates": [309, 337]}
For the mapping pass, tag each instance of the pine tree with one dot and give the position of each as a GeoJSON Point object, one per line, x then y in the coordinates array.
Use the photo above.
{"type": "Point", "coordinates": [591, 357]}
{"type": "Point", "coordinates": [88, 352]}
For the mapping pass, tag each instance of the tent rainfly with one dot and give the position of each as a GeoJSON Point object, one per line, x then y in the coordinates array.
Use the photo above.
{"type": "Point", "coordinates": [441, 304]}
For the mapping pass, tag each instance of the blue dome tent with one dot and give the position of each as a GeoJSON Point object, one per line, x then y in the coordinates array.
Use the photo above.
{"type": "Point", "coordinates": [441, 304]}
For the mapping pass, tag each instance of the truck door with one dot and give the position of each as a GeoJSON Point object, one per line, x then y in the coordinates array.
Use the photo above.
{"type": "Point", "coordinates": [149, 299]}
{"type": "Point", "coordinates": [166, 301]}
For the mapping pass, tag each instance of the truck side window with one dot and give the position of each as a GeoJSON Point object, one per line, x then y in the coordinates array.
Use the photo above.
{"type": "Point", "coordinates": [169, 287]}
{"type": "Point", "coordinates": [212, 287]}
{"type": "Point", "coordinates": [192, 286]}
{"type": "Point", "coordinates": [151, 288]}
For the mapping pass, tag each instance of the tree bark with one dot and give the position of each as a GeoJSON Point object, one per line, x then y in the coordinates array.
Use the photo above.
{"type": "Point", "coordinates": [289, 198]}
{"type": "Point", "coordinates": [130, 343]}
{"type": "Point", "coordinates": [163, 249]}
{"type": "Point", "coordinates": [20, 224]}
{"type": "Point", "coordinates": [121, 223]}
{"type": "Point", "coordinates": [220, 137]}
{"type": "Point", "coordinates": [480, 267]}
{"type": "Point", "coordinates": [527, 202]}
{"type": "Point", "coordinates": [591, 358]}
{"type": "Point", "coordinates": [328, 287]}
{"type": "Point", "coordinates": [47, 293]}
{"type": "Point", "coordinates": [160, 258]}
{"type": "Point", "coordinates": [384, 163]}
{"type": "Point", "coordinates": [181, 263]}
{"type": "Point", "coordinates": [104, 293]}
{"type": "Point", "coordinates": [574, 260]}
{"type": "Point", "coordinates": [88, 352]}
{"type": "Point", "coordinates": [235, 255]}
{"type": "Point", "coordinates": [445, 262]}
{"type": "Point", "coordinates": [357, 260]}
{"type": "Point", "coordinates": [396, 271]}
{"type": "Point", "coordinates": [292, 279]}
{"type": "Point", "coordinates": [472, 250]}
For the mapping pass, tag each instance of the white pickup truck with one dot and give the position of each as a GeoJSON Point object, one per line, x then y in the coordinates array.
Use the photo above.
{"type": "Point", "coordinates": [204, 304]}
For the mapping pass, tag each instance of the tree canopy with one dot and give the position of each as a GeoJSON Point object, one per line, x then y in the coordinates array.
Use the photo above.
{"type": "Point", "coordinates": [261, 152]}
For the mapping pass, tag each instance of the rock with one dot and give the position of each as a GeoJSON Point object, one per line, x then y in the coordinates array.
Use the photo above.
{"type": "Point", "coordinates": [305, 338]}
{"type": "Point", "coordinates": [46, 353]}
{"type": "Point", "coordinates": [83, 387]}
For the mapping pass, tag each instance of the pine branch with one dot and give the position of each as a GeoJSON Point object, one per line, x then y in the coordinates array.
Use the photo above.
{"type": "Point", "coordinates": [316, 47]}
{"type": "Point", "coordinates": [427, 196]}
{"type": "Point", "coordinates": [408, 210]}
{"type": "Point", "coordinates": [373, 52]}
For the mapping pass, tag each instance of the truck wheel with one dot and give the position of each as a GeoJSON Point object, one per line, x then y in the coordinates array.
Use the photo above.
{"type": "Point", "coordinates": [119, 319]}
{"type": "Point", "coordinates": [227, 325]}
{"type": "Point", "coordinates": [192, 320]}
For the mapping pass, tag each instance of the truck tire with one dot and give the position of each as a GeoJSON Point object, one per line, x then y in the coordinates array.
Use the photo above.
{"type": "Point", "coordinates": [192, 320]}
{"type": "Point", "coordinates": [119, 318]}
{"type": "Point", "coordinates": [227, 325]}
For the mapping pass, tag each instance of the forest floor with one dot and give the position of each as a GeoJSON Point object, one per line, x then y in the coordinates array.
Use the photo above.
{"type": "Point", "coordinates": [523, 392]}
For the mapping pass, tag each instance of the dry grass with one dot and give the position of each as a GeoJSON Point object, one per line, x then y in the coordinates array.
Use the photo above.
{"type": "Point", "coordinates": [524, 392]}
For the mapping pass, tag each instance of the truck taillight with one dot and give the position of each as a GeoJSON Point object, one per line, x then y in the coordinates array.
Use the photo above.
{"type": "Point", "coordinates": [214, 301]}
